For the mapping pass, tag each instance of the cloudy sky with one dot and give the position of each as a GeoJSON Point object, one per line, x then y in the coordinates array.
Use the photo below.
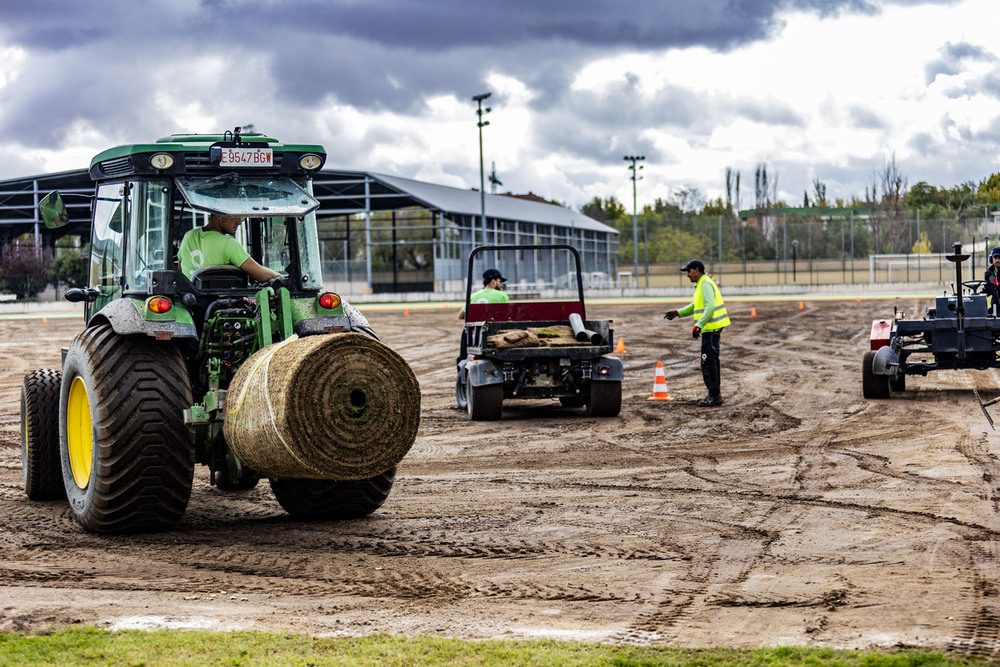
{"type": "Point", "coordinates": [827, 89]}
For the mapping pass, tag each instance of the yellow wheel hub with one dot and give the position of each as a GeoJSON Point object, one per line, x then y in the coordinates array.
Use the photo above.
{"type": "Point", "coordinates": [79, 433]}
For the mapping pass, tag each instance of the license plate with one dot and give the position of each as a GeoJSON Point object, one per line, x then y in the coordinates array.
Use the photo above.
{"type": "Point", "coordinates": [247, 157]}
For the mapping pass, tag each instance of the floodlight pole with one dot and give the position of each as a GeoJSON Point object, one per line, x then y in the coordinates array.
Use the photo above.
{"type": "Point", "coordinates": [635, 225]}
{"type": "Point", "coordinates": [482, 173]}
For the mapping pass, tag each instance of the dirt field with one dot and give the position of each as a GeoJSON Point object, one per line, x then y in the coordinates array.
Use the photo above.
{"type": "Point", "coordinates": [797, 513]}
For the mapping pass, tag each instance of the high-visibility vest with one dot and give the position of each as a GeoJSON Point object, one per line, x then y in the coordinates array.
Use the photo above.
{"type": "Point", "coordinates": [720, 318]}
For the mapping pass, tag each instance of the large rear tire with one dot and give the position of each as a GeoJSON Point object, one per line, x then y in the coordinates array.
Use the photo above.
{"type": "Point", "coordinates": [485, 402]}
{"type": "Point", "coordinates": [41, 469]}
{"type": "Point", "coordinates": [320, 499]}
{"type": "Point", "coordinates": [127, 456]}
{"type": "Point", "coordinates": [605, 399]}
{"type": "Point", "coordinates": [873, 386]}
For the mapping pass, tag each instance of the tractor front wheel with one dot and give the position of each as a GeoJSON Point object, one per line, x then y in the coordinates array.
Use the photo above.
{"type": "Point", "coordinates": [873, 386]}
{"type": "Point", "coordinates": [321, 499]}
{"type": "Point", "coordinates": [127, 457]}
{"type": "Point", "coordinates": [41, 470]}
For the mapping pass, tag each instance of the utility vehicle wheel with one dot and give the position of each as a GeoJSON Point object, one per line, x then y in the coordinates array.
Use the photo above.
{"type": "Point", "coordinates": [605, 399]}
{"type": "Point", "coordinates": [127, 456]}
{"type": "Point", "coordinates": [873, 386]}
{"type": "Point", "coordinates": [41, 469]}
{"type": "Point", "coordinates": [485, 402]}
{"type": "Point", "coordinates": [336, 500]}
{"type": "Point", "coordinates": [898, 383]}
{"type": "Point", "coordinates": [460, 390]}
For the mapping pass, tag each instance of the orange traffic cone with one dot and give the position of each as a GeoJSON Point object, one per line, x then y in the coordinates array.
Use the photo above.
{"type": "Point", "coordinates": [660, 386]}
{"type": "Point", "coordinates": [620, 349]}
{"type": "Point", "coordinates": [802, 305]}
{"type": "Point", "coordinates": [753, 312]}
{"type": "Point", "coordinates": [406, 311]}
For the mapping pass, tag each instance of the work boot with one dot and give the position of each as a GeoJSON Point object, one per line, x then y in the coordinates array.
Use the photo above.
{"type": "Point", "coordinates": [710, 400]}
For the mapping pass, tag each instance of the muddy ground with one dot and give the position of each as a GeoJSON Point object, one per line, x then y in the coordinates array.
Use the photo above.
{"type": "Point", "coordinates": [797, 513]}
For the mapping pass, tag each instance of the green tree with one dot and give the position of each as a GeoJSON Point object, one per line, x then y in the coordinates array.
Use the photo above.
{"type": "Point", "coordinates": [24, 270]}
{"type": "Point", "coordinates": [606, 210]}
{"type": "Point", "coordinates": [69, 268]}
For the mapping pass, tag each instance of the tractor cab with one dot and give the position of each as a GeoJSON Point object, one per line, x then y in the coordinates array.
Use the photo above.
{"type": "Point", "coordinates": [149, 196]}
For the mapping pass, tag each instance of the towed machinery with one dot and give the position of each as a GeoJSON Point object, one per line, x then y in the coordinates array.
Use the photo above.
{"type": "Point", "coordinates": [282, 380]}
{"type": "Point", "coordinates": [534, 348]}
{"type": "Point", "coordinates": [959, 332]}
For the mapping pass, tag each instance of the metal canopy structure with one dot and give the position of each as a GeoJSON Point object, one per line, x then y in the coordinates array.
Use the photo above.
{"type": "Point", "coordinates": [394, 234]}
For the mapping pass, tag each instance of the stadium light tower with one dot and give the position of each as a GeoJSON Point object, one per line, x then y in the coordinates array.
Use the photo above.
{"type": "Point", "coordinates": [480, 112]}
{"type": "Point", "coordinates": [635, 225]}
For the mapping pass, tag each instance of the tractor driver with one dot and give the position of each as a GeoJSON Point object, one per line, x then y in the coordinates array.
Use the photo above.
{"type": "Point", "coordinates": [215, 244]}
{"type": "Point", "coordinates": [992, 280]}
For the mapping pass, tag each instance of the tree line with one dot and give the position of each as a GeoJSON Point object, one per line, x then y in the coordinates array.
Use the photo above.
{"type": "Point", "coordinates": [891, 217]}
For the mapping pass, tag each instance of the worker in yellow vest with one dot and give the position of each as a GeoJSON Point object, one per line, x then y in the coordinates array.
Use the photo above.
{"type": "Point", "coordinates": [710, 311]}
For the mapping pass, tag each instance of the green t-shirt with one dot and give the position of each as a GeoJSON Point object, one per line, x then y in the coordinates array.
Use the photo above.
{"type": "Point", "coordinates": [201, 248]}
{"type": "Point", "coordinates": [489, 295]}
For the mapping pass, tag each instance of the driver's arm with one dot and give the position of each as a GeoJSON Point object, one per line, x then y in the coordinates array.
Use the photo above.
{"type": "Point", "coordinates": [259, 273]}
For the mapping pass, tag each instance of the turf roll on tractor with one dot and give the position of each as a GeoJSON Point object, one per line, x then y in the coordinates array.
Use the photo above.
{"type": "Point", "coordinates": [282, 380]}
{"type": "Point", "coordinates": [961, 331]}
{"type": "Point", "coordinates": [535, 347]}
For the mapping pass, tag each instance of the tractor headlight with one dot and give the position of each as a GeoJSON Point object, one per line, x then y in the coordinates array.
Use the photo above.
{"type": "Point", "coordinates": [161, 161]}
{"type": "Point", "coordinates": [310, 161]}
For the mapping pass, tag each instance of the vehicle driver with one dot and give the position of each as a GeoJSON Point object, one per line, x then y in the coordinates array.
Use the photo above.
{"type": "Point", "coordinates": [992, 280]}
{"type": "Point", "coordinates": [492, 291]}
{"type": "Point", "coordinates": [215, 244]}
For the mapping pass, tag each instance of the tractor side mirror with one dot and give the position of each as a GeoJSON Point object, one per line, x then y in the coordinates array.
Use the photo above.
{"type": "Point", "coordinates": [53, 210]}
{"type": "Point", "coordinates": [77, 294]}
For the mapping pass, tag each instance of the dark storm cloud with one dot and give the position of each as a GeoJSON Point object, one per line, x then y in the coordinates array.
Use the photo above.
{"type": "Point", "coordinates": [383, 53]}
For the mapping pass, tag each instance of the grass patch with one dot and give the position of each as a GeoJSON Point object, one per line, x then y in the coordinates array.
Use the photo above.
{"type": "Point", "coordinates": [80, 646]}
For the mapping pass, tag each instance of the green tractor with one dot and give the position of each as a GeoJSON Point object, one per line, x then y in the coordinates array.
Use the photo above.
{"type": "Point", "coordinates": [141, 394]}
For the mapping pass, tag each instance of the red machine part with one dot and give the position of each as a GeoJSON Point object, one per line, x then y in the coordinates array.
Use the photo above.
{"type": "Point", "coordinates": [880, 334]}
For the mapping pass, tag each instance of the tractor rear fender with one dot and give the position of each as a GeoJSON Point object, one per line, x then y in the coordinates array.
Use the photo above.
{"type": "Point", "coordinates": [886, 362]}
{"type": "Point", "coordinates": [608, 369]}
{"type": "Point", "coordinates": [481, 372]}
{"type": "Point", "coordinates": [130, 316]}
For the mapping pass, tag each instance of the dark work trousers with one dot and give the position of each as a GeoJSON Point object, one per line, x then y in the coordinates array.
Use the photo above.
{"type": "Point", "coordinates": [710, 361]}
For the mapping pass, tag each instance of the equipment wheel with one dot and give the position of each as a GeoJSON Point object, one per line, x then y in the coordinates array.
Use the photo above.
{"type": "Point", "coordinates": [323, 499]}
{"type": "Point", "coordinates": [461, 396]}
{"type": "Point", "coordinates": [485, 403]}
{"type": "Point", "coordinates": [40, 466]}
{"type": "Point", "coordinates": [127, 456]}
{"type": "Point", "coordinates": [605, 399]}
{"type": "Point", "coordinates": [225, 481]}
{"type": "Point", "coordinates": [873, 386]}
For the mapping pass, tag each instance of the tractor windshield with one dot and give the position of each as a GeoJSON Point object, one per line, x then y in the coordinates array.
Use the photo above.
{"type": "Point", "coordinates": [232, 194]}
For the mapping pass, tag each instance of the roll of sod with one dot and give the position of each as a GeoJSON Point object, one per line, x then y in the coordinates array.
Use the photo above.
{"type": "Point", "coordinates": [334, 406]}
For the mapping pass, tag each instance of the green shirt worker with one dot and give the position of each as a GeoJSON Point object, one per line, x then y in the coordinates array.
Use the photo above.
{"type": "Point", "coordinates": [710, 311]}
{"type": "Point", "coordinates": [492, 291]}
{"type": "Point", "coordinates": [215, 244]}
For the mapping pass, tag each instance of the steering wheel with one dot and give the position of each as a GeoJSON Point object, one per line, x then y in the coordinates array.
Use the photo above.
{"type": "Point", "coordinates": [975, 286]}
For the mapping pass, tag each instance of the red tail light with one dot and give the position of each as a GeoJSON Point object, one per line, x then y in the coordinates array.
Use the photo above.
{"type": "Point", "coordinates": [159, 304]}
{"type": "Point", "coordinates": [329, 300]}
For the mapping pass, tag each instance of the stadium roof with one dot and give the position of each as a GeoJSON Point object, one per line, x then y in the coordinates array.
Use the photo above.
{"type": "Point", "coordinates": [339, 191]}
